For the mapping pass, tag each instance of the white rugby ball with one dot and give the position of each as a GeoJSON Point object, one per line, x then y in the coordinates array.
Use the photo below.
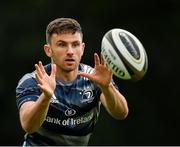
{"type": "Point", "coordinates": [124, 54]}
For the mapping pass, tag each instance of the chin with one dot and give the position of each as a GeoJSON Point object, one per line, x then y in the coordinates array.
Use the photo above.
{"type": "Point", "coordinates": [69, 69]}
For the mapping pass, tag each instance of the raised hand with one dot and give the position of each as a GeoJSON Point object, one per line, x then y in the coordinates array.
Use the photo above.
{"type": "Point", "coordinates": [101, 75]}
{"type": "Point", "coordinates": [46, 83]}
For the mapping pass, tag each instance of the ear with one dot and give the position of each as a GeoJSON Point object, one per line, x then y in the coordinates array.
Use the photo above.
{"type": "Point", "coordinates": [47, 50]}
{"type": "Point", "coordinates": [83, 47]}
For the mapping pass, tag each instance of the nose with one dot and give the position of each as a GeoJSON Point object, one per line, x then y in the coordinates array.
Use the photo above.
{"type": "Point", "coordinates": [70, 50]}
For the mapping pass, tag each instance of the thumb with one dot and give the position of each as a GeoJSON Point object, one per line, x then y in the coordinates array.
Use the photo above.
{"type": "Point", "coordinates": [86, 75]}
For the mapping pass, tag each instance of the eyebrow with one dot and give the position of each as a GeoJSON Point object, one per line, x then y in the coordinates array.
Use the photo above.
{"type": "Point", "coordinates": [59, 41]}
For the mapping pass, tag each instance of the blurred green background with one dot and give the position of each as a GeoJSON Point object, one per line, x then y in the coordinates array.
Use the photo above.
{"type": "Point", "coordinates": [154, 117]}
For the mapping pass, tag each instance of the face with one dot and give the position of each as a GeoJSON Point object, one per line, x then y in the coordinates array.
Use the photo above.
{"type": "Point", "coordinates": [65, 50]}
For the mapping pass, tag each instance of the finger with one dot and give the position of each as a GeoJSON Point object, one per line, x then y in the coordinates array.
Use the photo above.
{"type": "Point", "coordinates": [102, 60]}
{"type": "Point", "coordinates": [42, 67]}
{"type": "Point", "coordinates": [38, 71]}
{"type": "Point", "coordinates": [110, 71]}
{"type": "Point", "coordinates": [83, 74]}
{"type": "Point", "coordinates": [53, 70]}
{"type": "Point", "coordinates": [108, 68]}
{"type": "Point", "coordinates": [96, 59]}
{"type": "Point", "coordinates": [41, 87]}
{"type": "Point", "coordinates": [39, 80]}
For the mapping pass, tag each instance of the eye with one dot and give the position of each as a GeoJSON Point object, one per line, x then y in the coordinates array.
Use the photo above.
{"type": "Point", "coordinates": [75, 44]}
{"type": "Point", "coordinates": [62, 44]}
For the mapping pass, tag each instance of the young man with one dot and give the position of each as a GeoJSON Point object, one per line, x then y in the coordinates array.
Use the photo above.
{"type": "Point", "coordinates": [59, 103]}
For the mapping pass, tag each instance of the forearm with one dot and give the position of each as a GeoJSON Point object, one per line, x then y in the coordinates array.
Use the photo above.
{"type": "Point", "coordinates": [114, 102]}
{"type": "Point", "coordinates": [33, 114]}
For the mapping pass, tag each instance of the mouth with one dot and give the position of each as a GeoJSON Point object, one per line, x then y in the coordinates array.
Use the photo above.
{"type": "Point", "coordinates": [69, 61]}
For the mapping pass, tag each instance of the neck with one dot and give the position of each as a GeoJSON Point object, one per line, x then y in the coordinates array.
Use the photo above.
{"type": "Point", "coordinates": [66, 76]}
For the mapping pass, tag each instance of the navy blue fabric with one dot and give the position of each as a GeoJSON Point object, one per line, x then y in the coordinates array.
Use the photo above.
{"type": "Point", "coordinates": [74, 107]}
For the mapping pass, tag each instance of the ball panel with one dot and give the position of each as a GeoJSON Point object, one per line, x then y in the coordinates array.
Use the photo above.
{"type": "Point", "coordinates": [124, 54]}
{"type": "Point", "coordinates": [112, 59]}
{"type": "Point", "coordinates": [137, 64]}
{"type": "Point", "coordinates": [130, 45]}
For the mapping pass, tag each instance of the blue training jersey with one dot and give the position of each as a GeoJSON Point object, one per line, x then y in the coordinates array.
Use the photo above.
{"type": "Point", "coordinates": [73, 110]}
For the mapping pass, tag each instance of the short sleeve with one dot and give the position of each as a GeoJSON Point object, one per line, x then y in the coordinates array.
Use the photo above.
{"type": "Point", "coordinates": [27, 89]}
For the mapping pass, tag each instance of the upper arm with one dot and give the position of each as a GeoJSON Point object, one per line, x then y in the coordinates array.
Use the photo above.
{"type": "Point", "coordinates": [26, 90]}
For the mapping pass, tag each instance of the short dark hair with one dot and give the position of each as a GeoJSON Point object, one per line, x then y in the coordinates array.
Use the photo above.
{"type": "Point", "coordinates": [62, 25]}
